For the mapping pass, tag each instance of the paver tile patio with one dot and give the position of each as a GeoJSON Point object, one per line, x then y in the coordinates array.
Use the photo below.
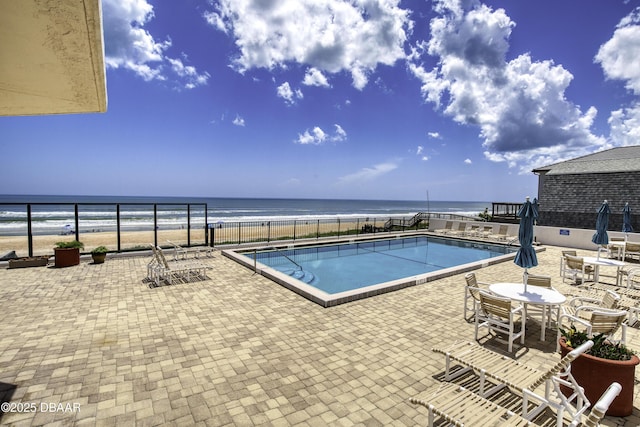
{"type": "Point", "coordinates": [236, 349]}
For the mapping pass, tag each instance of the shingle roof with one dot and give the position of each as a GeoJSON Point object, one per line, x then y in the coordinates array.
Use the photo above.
{"type": "Point", "coordinates": [620, 159]}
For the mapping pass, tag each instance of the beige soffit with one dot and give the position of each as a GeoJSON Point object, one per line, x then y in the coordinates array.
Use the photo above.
{"type": "Point", "coordinates": [51, 57]}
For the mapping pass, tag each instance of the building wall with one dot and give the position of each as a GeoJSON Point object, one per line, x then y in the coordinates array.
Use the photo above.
{"type": "Point", "coordinates": [573, 200]}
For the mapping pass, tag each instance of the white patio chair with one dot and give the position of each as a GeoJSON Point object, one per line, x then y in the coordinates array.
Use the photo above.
{"type": "Point", "coordinates": [499, 315]}
{"type": "Point", "coordinates": [472, 294]}
{"type": "Point", "coordinates": [543, 282]}
{"type": "Point", "coordinates": [602, 321]}
{"type": "Point", "coordinates": [575, 267]}
{"type": "Point", "coordinates": [632, 250]}
{"type": "Point", "coordinates": [583, 306]}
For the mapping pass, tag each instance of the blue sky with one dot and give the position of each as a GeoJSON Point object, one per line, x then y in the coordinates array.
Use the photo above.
{"type": "Point", "coordinates": [366, 99]}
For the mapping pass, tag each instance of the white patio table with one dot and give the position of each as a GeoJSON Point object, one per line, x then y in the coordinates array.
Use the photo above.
{"type": "Point", "coordinates": [597, 262]}
{"type": "Point", "coordinates": [535, 295]}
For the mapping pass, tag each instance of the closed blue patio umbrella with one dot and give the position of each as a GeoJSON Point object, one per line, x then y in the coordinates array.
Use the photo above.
{"type": "Point", "coordinates": [626, 219]}
{"type": "Point", "coordinates": [526, 256]}
{"type": "Point", "coordinates": [602, 222]}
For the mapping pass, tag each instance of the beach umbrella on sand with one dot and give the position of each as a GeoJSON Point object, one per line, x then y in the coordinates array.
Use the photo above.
{"type": "Point", "coordinates": [526, 256]}
{"type": "Point", "coordinates": [626, 219]}
{"type": "Point", "coordinates": [602, 222]}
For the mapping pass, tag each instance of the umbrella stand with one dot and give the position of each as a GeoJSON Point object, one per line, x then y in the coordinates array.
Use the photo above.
{"type": "Point", "coordinates": [600, 237]}
{"type": "Point", "coordinates": [526, 255]}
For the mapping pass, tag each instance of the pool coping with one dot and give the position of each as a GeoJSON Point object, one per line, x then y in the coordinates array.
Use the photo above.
{"type": "Point", "coordinates": [330, 300]}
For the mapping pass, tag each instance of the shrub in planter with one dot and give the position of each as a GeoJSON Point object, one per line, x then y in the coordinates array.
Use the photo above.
{"type": "Point", "coordinates": [99, 254]}
{"type": "Point", "coordinates": [603, 364]}
{"type": "Point", "coordinates": [67, 253]}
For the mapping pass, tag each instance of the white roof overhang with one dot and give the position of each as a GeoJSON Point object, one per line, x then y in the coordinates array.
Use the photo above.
{"type": "Point", "coordinates": [51, 57]}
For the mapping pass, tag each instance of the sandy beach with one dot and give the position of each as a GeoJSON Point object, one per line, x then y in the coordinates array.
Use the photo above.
{"type": "Point", "coordinates": [228, 235]}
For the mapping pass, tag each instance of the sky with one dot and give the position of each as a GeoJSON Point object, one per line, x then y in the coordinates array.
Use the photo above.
{"type": "Point", "coordinates": [358, 99]}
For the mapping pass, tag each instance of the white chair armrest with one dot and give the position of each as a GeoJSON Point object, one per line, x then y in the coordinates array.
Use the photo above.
{"type": "Point", "coordinates": [579, 301]}
{"type": "Point", "coordinates": [575, 319]}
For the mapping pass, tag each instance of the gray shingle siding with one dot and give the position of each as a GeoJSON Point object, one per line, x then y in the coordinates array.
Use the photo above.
{"type": "Point", "coordinates": [572, 200]}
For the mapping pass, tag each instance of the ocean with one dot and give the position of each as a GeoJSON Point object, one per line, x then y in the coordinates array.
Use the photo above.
{"type": "Point", "coordinates": [55, 214]}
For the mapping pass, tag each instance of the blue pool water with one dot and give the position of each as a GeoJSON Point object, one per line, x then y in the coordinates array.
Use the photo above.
{"type": "Point", "coordinates": [344, 267]}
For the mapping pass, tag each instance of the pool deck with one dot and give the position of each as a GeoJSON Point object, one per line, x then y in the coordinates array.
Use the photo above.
{"type": "Point", "coordinates": [236, 349]}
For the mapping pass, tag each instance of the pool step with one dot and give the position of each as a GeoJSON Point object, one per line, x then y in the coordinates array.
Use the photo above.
{"type": "Point", "coordinates": [302, 275]}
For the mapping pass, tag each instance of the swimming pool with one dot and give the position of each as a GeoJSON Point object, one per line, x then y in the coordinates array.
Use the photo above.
{"type": "Point", "coordinates": [335, 273]}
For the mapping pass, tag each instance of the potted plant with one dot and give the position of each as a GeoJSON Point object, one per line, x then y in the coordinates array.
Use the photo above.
{"type": "Point", "coordinates": [603, 364]}
{"type": "Point", "coordinates": [99, 254]}
{"type": "Point", "coordinates": [67, 253]}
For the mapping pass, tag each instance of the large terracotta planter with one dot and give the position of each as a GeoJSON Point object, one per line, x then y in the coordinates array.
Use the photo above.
{"type": "Point", "coordinates": [596, 374]}
{"type": "Point", "coordinates": [66, 257]}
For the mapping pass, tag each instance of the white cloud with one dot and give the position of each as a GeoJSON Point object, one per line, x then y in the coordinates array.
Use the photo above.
{"type": "Point", "coordinates": [434, 135]}
{"type": "Point", "coordinates": [620, 61]}
{"type": "Point", "coordinates": [317, 136]}
{"type": "Point", "coordinates": [329, 35]}
{"type": "Point", "coordinates": [425, 158]}
{"type": "Point", "coordinates": [420, 149]}
{"type": "Point", "coordinates": [519, 105]}
{"type": "Point", "coordinates": [368, 174]}
{"type": "Point", "coordinates": [467, 161]}
{"type": "Point", "coordinates": [314, 77]}
{"type": "Point", "coordinates": [238, 121]}
{"type": "Point", "coordinates": [625, 126]}
{"type": "Point", "coordinates": [188, 73]}
{"type": "Point", "coordinates": [619, 55]}
{"type": "Point", "coordinates": [290, 96]}
{"type": "Point", "coordinates": [339, 134]}
{"type": "Point", "coordinates": [130, 46]}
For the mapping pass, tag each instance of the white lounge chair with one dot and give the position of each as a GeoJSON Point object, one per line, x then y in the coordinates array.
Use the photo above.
{"type": "Point", "coordinates": [460, 407]}
{"type": "Point", "coordinates": [183, 253]}
{"type": "Point", "coordinates": [176, 271]}
{"type": "Point", "coordinates": [486, 231]}
{"type": "Point", "coordinates": [460, 231]}
{"type": "Point", "coordinates": [501, 234]}
{"type": "Point", "coordinates": [520, 379]}
{"type": "Point", "coordinates": [446, 229]}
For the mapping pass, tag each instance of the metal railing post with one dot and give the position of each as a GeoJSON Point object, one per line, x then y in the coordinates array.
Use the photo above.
{"type": "Point", "coordinates": [76, 221]}
{"type": "Point", "coordinates": [206, 224]}
{"type": "Point", "coordinates": [155, 224]}
{"type": "Point", "coordinates": [188, 224]}
{"type": "Point", "coordinates": [118, 237]}
{"type": "Point", "coordinates": [29, 231]}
